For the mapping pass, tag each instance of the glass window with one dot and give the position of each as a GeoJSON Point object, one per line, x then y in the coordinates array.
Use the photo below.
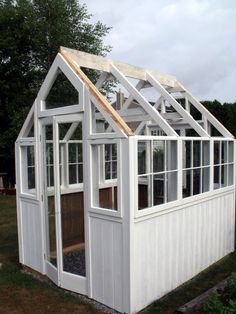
{"type": "Point", "coordinates": [158, 152]}
{"type": "Point", "coordinates": [196, 170]}
{"type": "Point", "coordinates": [223, 164]}
{"type": "Point", "coordinates": [110, 161]}
{"type": "Point", "coordinates": [49, 163]}
{"type": "Point", "coordinates": [142, 155]}
{"type": "Point", "coordinates": [28, 169]}
{"type": "Point", "coordinates": [75, 162]}
{"type": "Point", "coordinates": [157, 172]}
{"type": "Point", "coordinates": [104, 171]}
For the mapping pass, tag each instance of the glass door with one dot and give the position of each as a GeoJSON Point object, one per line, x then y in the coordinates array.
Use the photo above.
{"type": "Point", "coordinates": [70, 196]}
{"type": "Point", "coordinates": [49, 201]}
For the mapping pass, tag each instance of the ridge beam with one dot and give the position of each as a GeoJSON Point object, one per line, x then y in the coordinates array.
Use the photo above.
{"type": "Point", "coordinates": [87, 60]}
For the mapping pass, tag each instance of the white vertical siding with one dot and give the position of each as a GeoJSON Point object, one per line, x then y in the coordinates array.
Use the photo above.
{"type": "Point", "coordinates": [170, 249]}
{"type": "Point", "coordinates": [106, 262]}
{"type": "Point", "coordinates": [31, 229]}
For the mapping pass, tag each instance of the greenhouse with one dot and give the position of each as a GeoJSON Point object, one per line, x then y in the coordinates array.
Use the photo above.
{"type": "Point", "coordinates": [121, 196]}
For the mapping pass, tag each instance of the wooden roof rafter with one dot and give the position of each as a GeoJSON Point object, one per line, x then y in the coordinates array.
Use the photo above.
{"type": "Point", "coordinates": [96, 94]}
{"type": "Point", "coordinates": [166, 85]}
{"type": "Point", "coordinates": [154, 114]}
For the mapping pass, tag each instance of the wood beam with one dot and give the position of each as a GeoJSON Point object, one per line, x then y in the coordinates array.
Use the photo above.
{"type": "Point", "coordinates": [186, 115]}
{"type": "Point", "coordinates": [96, 94]}
{"type": "Point", "coordinates": [90, 61]}
{"type": "Point", "coordinates": [206, 113]}
{"type": "Point", "coordinates": [129, 100]}
{"type": "Point", "coordinates": [154, 114]}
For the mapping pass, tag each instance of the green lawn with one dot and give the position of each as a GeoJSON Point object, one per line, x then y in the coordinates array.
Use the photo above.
{"type": "Point", "coordinates": [21, 293]}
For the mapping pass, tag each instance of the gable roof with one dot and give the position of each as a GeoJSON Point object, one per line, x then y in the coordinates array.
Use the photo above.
{"type": "Point", "coordinates": [166, 85]}
{"type": "Point", "coordinates": [70, 62]}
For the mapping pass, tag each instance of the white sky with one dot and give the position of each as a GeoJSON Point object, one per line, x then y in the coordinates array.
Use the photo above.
{"type": "Point", "coordinates": [194, 40]}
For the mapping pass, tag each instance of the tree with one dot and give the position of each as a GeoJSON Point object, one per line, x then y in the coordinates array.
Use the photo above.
{"type": "Point", "coordinates": [225, 113]}
{"type": "Point", "coordinates": [31, 32]}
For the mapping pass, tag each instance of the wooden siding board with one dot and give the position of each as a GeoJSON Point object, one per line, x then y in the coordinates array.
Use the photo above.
{"type": "Point", "coordinates": [31, 235]}
{"type": "Point", "coordinates": [186, 242]}
{"type": "Point", "coordinates": [106, 255]}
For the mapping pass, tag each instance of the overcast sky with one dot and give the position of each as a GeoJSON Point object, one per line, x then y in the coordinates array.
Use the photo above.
{"type": "Point", "coordinates": [194, 40]}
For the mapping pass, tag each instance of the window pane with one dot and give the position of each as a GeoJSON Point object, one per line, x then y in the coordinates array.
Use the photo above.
{"type": "Point", "coordinates": [104, 195]}
{"type": "Point", "coordinates": [144, 192]}
{"type": "Point", "coordinates": [216, 177]}
{"type": "Point", "coordinates": [205, 153]}
{"type": "Point", "coordinates": [224, 175]}
{"type": "Point", "coordinates": [108, 152]}
{"type": "Point", "coordinates": [114, 169]}
{"type": "Point", "coordinates": [171, 186]}
{"type": "Point", "coordinates": [49, 153]}
{"type": "Point", "coordinates": [80, 152]}
{"type": "Point", "coordinates": [31, 177]}
{"type": "Point", "coordinates": [230, 174]}
{"type": "Point", "coordinates": [196, 153]}
{"type": "Point", "coordinates": [72, 174]}
{"type": "Point", "coordinates": [114, 152]}
{"type": "Point", "coordinates": [72, 152]}
{"type": "Point", "coordinates": [187, 154]}
{"type": "Point", "coordinates": [142, 157]}
{"type": "Point", "coordinates": [224, 152]}
{"type": "Point", "coordinates": [216, 153]}
{"type": "Point", "coordinates": [196, 181]}
{"type": "Point", "coordinates": [231, 151]}
{"type": "Point", "coordinates": [187, 182]}
{"type": "Point", "coordinates": [158, 189]}
{"type": "Point", "coordinates": [50, 176]}
{"type": "Point", "coordinates": [80, 173]}
{"type": "Point", "coordinates": [171, 155]}
{"type": "Point", "coordinates": [30, 155]}
{"type": "Point", "coordinates": [205, 179]}
{"type": "Point", "coordinates": [158, 156]}
{"type": "Point", "coordinates": [107, 170]}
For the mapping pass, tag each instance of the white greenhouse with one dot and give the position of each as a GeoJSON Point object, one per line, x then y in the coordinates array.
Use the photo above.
{"type": "Point", "coordinates": [121, 198]}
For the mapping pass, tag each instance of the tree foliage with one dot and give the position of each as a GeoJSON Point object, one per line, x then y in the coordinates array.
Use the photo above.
{"type": "Point", "coordinates": [225, 113]}
{"type": "Point", "coordinates": [31, 32]}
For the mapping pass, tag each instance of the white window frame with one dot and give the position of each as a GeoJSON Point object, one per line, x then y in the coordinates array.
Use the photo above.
{"type": "Point", "coordinates": [23, 163]}
{"type": "Point", "coordinates": [150, 173]}
{"type": "Point", "coordinates": [180, 202]}
{"type": "Point", "coordinates": [199, 167]}
{"type": "Point", "coordinates": [221, 164]}
{"type": "Point", "coordinates": [106, 183]}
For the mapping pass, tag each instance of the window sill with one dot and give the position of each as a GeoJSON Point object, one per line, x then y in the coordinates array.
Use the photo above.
{"type": "Point", "coordinates": [147, 213]}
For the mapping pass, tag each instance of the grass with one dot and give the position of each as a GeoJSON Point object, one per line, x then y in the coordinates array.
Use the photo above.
{"type": "Point", "coordinates": [193, 288]}
{"type": "Point", "coordinates": [22, 293]}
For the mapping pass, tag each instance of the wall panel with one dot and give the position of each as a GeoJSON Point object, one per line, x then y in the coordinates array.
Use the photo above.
{"type": "Point", "coordinates": [170, 249]}
{"type": "Point", "coordinates": [106, 262]}
{"type": "Point", "coordinates": [32, 247]}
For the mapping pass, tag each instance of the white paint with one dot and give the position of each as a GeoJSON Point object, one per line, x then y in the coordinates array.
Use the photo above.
{"type": "Point", "coordinates": [172, 248]}
{"type": "Point", "coordinates": [132, 257]}
{"type": "Point", "coordinates": [106, 262]}
{"type": "Point", "coordinates": [31, 231]}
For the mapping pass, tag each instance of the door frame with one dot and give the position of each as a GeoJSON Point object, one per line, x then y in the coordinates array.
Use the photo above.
{"type": "Point", "coordinates": [61, 278]}
{"type": "Point", "coordinates": [67, 280]}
